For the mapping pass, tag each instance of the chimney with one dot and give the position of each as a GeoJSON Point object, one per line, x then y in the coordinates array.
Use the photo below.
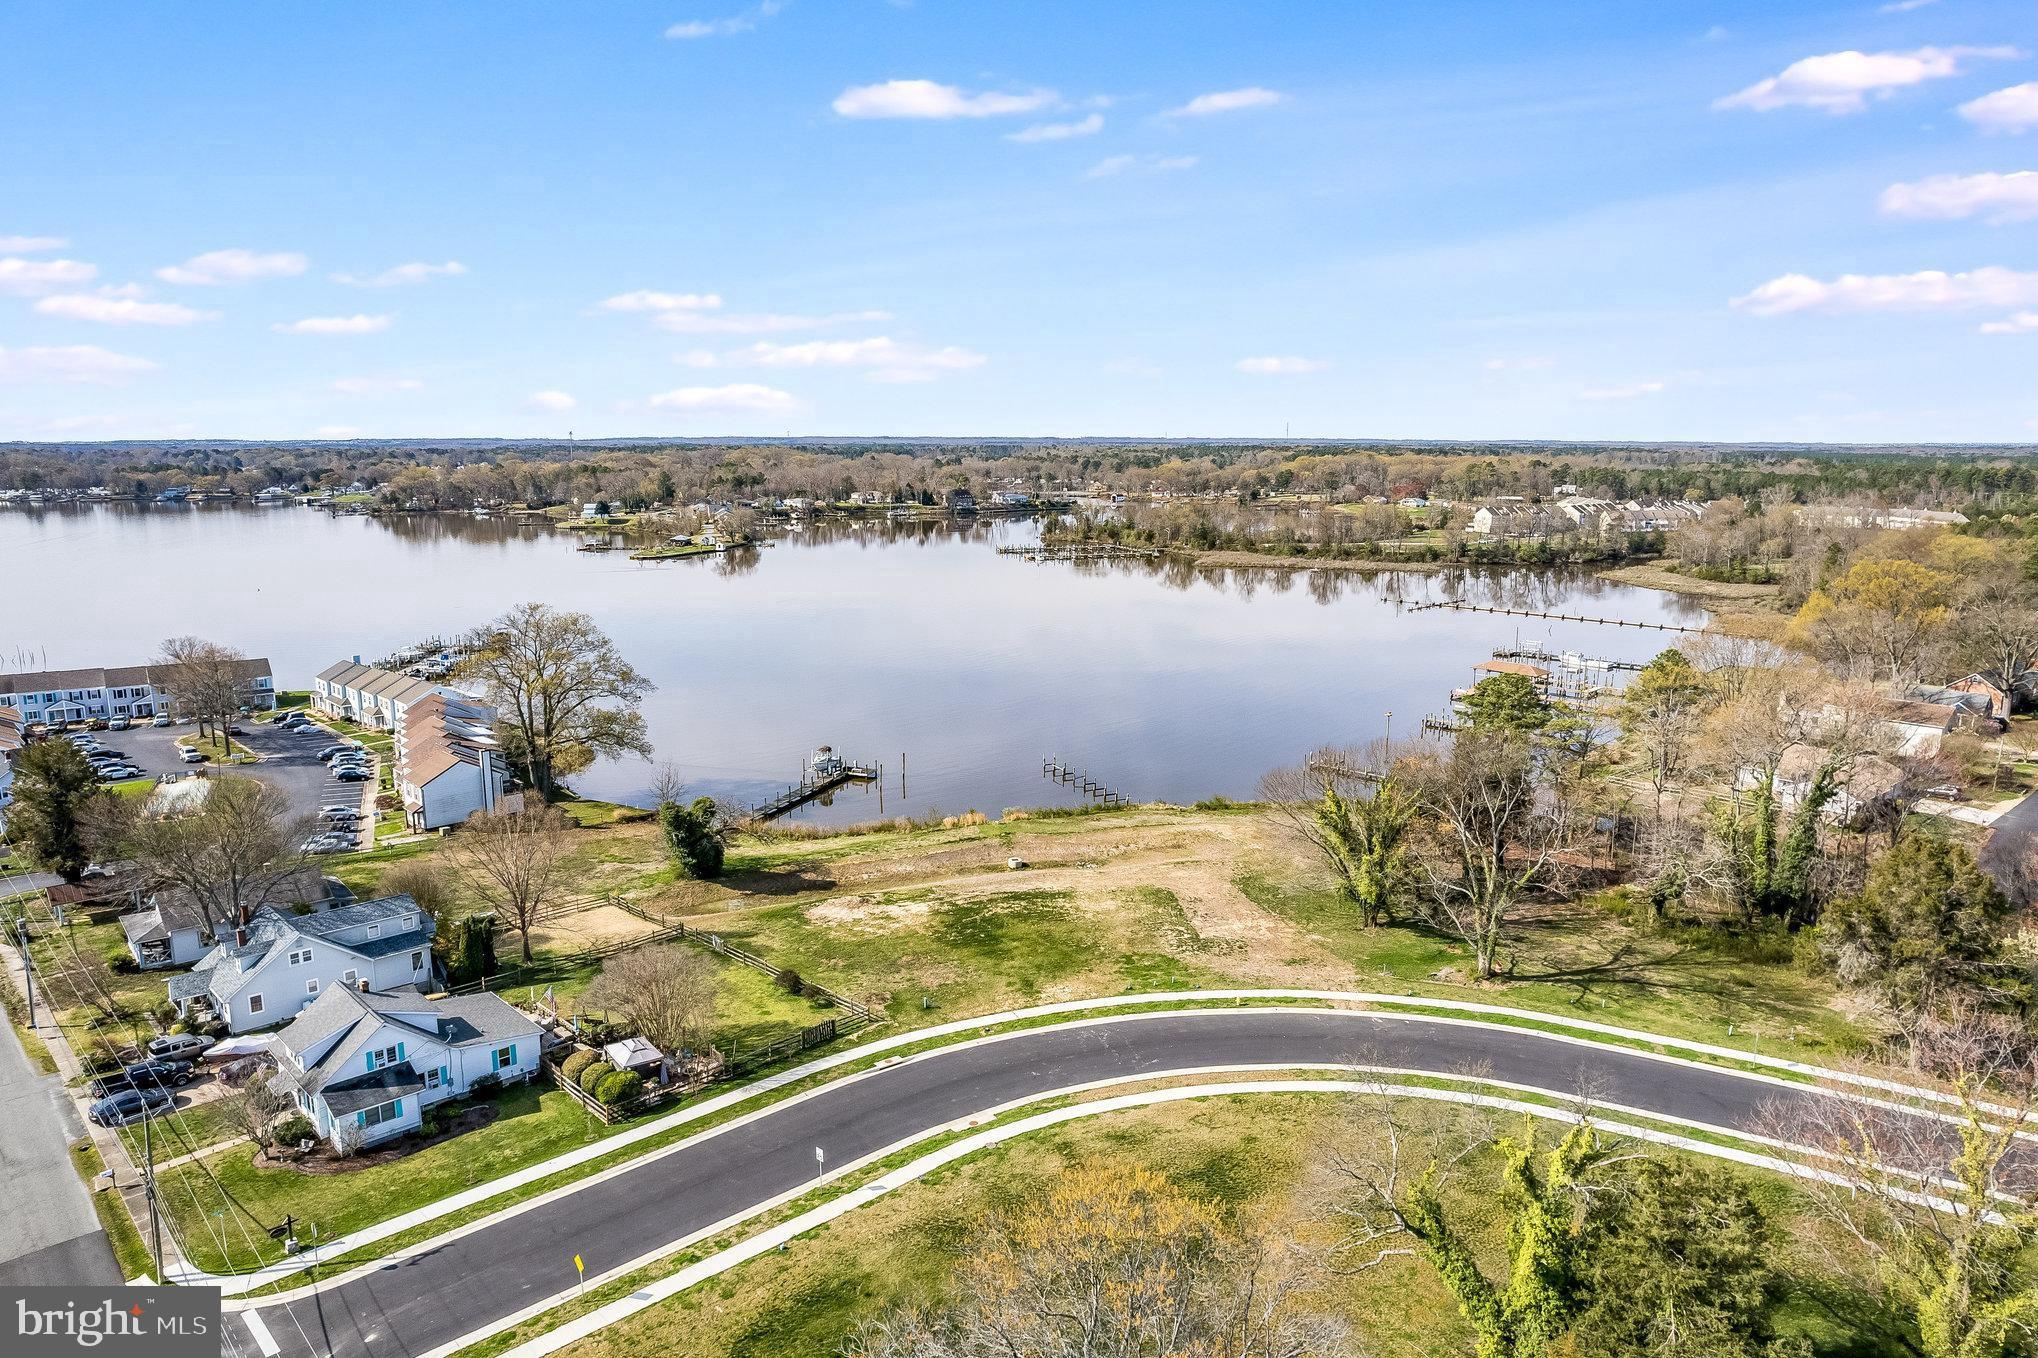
{"type": "Point", "coordinates": [240, 935]}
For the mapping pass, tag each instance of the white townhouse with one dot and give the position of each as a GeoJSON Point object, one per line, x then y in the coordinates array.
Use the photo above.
{"type": "Point", "coordinates": [280, 962]}
{"type": "Point", "coordinates": [58, 697]}
{"type": "Point", "coordinates": [12, 743]}
{"type": "Point", "coordinates": [449, 764]}
{"type": "Point", "coordinates": [364, 1067]}
{"type": "Point", "coordinates": [368, 696]}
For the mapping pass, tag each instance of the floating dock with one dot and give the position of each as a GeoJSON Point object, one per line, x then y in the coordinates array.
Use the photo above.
{"type": "Point", "coordinates": [824, 774]}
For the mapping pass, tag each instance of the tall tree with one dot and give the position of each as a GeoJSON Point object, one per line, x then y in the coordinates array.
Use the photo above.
{"type": "Point", "coordinates": [693, 834]}
{"type": "Point", "coordinates": [206, 681]}
{"type": "Point", "coordinates": [1925, 932]}
{"type": "Point", "coordinates": [1660, 714]}
{"type": "Point", "coordinates": [565, 692]}
{"type": "Point", "coordinates": [240, 850]}
{"type": "Point", "coordinates": [54, 793]}
{"type": "Point", "coordinates": [1882, 619]}
{"type": "Point", "coordinates": [1506, 702]}
{"type": "Point", "coordinates": [512, 862]}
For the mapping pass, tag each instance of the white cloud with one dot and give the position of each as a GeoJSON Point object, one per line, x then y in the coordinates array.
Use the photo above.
{"type": "Point", "coordinates": [696, 358]}
{"type": "Point", "coordinates": [645, 300]}
{"type": "Point", "coordinates": [1928, 290]}
{"type": "Point", "coordinates": [30, 245]}
{"type": "Point", "coordinates": [1903, 6]}
{"type": "Point", "coordinates": [926, 99]}
{"type": "Point", "coordinates": [26, 277]}
{"type": "Point", "coordinates": [376, 386]}
{"type": "Point", "coordinates": [69, 363]}
{"type": "Point", "coordinates": [722, 28]}
{"type": "Point", "coordinates": [1999, 198]}
{"type": "Point", "coordinates": [887, 359]}
{"type": "Point", "coordinates": [1227, 101]}
{"type": "Point", "coordinates": [695, 323]}
{"type": "Point", "coordinates": [403, 274]}
{"type": "Point", "coordinates": [550, 400]}
{"type": "Point", "coordinates": [233, 266]}
{"type": "Point", "coordinates": [115, 308]}
{"type": "Point", "coordinates": [2022, 323]}
{"type": "Point", "coordinates": [2012, 110]}
{"type": "Point", "coordinates": [1276, 365]}
{"type": "Point", "coordinates": [1117, 165]}
{"type": "Point", "coordinates": [1843, 82]}
{"type": "Point", "coordinates": [1531, 363]}
{"type": "Point", "coordinates": [1082, 127]}
{"type": "Point", "coordinates": [1626, 393]}
{"type": "Point", "coordinates": [334, 325]}
{"type": "Point", "coordinates": [737, 396]}
{"type": "Point", "coordinates": [336, 431]}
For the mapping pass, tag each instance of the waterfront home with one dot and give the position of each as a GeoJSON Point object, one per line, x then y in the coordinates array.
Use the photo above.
{"type": "Point", "coordinates": [1518, 519]}
{"type": "Point", "coordinates": [449, 763]}
{"type": "Point", "coordinates": [364, 1067]}
{"type": "Point", "coordinates": [1877, 516]}
{"type": "Point", "coordinates": [1869, 786]}
{"type": "Point", "coordinates": [368, 696]}
{"type": "Point", "coordinates": [169, 929]}
{"type": "Point", "coordinates": [1011, 499]}
{"type": "Point", "coordinates": [12, 742]}
{"type": "Point", "coordinates": [2004, 694]}
{"type": "Point", "coordinates": [961, 502]}
{"type": "Point", "coordinates": [59, 697]}
{"type": "Point", "coordinates": [279, 962]}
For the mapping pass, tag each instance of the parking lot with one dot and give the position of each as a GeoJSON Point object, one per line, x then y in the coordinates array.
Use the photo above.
{"type": "Point", "coordinates": [288, 762]}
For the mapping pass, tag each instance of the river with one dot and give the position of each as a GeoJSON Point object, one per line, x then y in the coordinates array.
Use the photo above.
{"type": "Point", "coordinates": [916, 646]}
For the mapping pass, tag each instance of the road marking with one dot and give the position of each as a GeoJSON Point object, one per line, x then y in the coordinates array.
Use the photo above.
{"type": "Point", "coordinates": [259, 1328]}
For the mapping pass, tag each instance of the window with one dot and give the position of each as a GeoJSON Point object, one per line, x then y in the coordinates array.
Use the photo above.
{"type": "Point", "coordinates": [379, 1057]}
{"type": "Point", "coordinates": [505, 1057]}
{"type": "Point", "coordinates": [349, 978]}
{"type": "Point", "coordinates": [254, 1004]}
{"type": "Point", "coordinates": [374, 929]}
{"type": "Point", "coordinates": [433, 1077]}
{"type": "Point", "coordinates": [381, 1113]}
{"type": "Point", "coordinates": [299, 956]}
{"type": "Point", "coordinates": [311, 986]}
{"type": "Point", "coordinates": [417, 961]}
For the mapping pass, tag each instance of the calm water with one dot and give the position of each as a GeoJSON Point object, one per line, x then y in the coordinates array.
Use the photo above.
{"type": "Point", "coordinates": [887, 641]}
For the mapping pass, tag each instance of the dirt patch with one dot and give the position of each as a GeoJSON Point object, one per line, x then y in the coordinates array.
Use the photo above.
{"type": "Point", "coordinates": [869, 914]}
{"type": "Point", "coordinates": [589, 928]}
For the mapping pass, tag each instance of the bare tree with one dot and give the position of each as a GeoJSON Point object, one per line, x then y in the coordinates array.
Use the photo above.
{"type": "Point", "coordinates": [668, 994]}
{"type": "Point", "coordinates": [1942, 1195]}
{"type": "Point", "coordinates": [566, 694]}
{"type": "Point", "coordinates": [242, 849]}
{"type": "Point", "coordinates": [205, 680]}
{"type": "Point", "coordinates": [250, 1109]}
{"type": "Point", "coordinates": [512, 860]}
{"type": "Point", "coordinates": [1488, 836]}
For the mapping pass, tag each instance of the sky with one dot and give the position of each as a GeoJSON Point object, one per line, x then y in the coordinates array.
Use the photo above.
{"type": "Point", "coordinates": [1758, 220]}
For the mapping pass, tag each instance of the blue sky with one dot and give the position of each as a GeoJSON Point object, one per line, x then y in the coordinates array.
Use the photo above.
{"type": "Point", "coordinates": [1747, 220]}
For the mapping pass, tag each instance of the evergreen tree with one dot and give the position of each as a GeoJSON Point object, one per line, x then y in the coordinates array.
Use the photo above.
{"type": "Point", "coordinates": [694, 835]}
{"type": "Point", "coordinates": [1506, 702]}
{"type": "Point", "coordinates": [53, 787]}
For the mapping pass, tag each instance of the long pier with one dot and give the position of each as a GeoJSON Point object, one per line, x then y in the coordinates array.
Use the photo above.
{"type": "Point", "coordinates": [1538, 652]}
{"type": "Point", "coordinates": [812, 786]}
{"type": "Point", "coordinates": [1458, 607]}
{"type": "Point", "coordinates": [1051, 767]}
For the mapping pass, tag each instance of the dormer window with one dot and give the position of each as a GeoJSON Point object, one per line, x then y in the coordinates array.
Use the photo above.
{"type": "Point", "coordinates": [374, 930]}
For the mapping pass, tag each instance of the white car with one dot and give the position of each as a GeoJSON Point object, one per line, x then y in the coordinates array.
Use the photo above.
{"type": "Point", "coordinates": [191, 755]}
{"type": "Point", "coordinates": [160, 719]}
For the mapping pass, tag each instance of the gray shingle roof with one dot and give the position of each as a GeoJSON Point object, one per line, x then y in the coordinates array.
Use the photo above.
{"type": "Point", "coordinates": [366, 1091]}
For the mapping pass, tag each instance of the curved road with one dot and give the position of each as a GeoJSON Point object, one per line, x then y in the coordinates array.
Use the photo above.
{"type": "Point", "coordinates": [418, 1302]}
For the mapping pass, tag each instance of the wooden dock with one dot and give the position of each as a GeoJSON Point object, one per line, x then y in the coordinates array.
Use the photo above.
{"type": "Point", "coordinates": [1051, 767]}
{"type": "Point", "coordinates": [1081, 551]}
{"type": "Point", "coordinates": [814, 785]}
{"type": "Point", "coordinates": [1457, 607]}
{"type": "Point", "coordinates": [1544, 655]}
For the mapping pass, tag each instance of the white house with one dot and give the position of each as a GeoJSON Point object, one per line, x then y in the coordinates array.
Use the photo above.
{"type": "Point", "coordinates": [281, 962]}
{"type": "Point", "coordinates": [368, 696]}
{"type": "Point", "coordinates": [448, 762]}
{"type": "Point", "coordinates": [59, 697]}
{"type": "Point", "coordinates": [12, 742]}
{"type": "Point", "coordinates": [169, 928]}
{"type": "Point", "coordinates": [363, 1067]}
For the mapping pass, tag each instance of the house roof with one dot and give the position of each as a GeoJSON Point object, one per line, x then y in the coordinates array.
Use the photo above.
{"type": "Point", "coordinates": [376, 682]}
{"type": "Point", "coordinates": [1512, 667]}
{"type": "Point", "coordinates": [376, 1087]}
{"type": "Point", "coordinates": [1939, 716]}
{"type": "Point", "coordinates": [118, 676]}
{"type": "Point", "coordinates": [226, 968]}
{"type": "Point", "coordinates": [1866, 777]}
{"type": "Point", "coordinates": [361, 1018]}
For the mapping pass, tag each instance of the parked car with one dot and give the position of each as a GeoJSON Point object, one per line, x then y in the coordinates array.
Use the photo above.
{"type": "Point", "coordinates": [1945, 792]}
{"type": "Point", "coordinates": [191, 755]}
{"type": "Point", "coordinates": [143, 1075]}
{"type": "Point", "coordinates": [335, 751]}
{"type": "Point", "coordinates": [131, 1105]}
{"type": "Point", "coordinates": [117, 724]}
{"type": "Point", "coordinates": [178, 1047]}
{"type": "Point", "coordinates": [94, 870]}
{"type": "Point", "coordinates": [160, 719]}
{"type": "Point", "coordinates": [355, 775]}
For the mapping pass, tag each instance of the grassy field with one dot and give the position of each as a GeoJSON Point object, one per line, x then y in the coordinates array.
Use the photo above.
{"type": "Point", "coordinates": [1262, 1158]}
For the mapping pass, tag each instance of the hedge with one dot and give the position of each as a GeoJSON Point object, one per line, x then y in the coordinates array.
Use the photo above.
{"type": "Point", "coordinates": [619, 1087]}
{"type": "Point", "coordinates": [592, 1076]}
{"type": "Point", "coordinates": [579, 1061]}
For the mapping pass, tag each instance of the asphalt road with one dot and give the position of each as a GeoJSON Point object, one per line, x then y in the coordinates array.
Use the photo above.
{"type": "Point", "coordinates": [445, 1291]}
{"type": "Point", "coordinates": [2009, 853]}
{"type": "Point", "coordinates": [52, 1237]}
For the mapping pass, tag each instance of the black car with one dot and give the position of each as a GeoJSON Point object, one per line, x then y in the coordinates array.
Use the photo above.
{"type": "Point", "coordinates": [143, 1075]}
{"type": "Point", "coordinates": [334, 751]}
{"type": "Point", "coordinates": [130, 1105]}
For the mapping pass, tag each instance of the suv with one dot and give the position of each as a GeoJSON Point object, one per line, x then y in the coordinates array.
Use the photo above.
{"type": "Point", "coordinates": [178, 1047]}
{"type": "Point", "coordinates": [160, 719]}
{"type": "Point", "coordinates": [131, 1105]}
{"type": "Point", "coordinates": [143, 1075]}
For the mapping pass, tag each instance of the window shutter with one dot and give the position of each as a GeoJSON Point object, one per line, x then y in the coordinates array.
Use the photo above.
{"type": "Point", "coordinates": [361, 1118]}
{"type": "Point", "coordinates": [399, 1051]}
{"type": "Point", "coordinates": [445, 1075]}
{"type": "Point", "coordinates": [396, 1108]}
{"type": "Point", "coordinates": [371, 1058]}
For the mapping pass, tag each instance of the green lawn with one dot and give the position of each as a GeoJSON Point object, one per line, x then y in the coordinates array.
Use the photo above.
{"type": "Point", "coordinates": [129, 1249]}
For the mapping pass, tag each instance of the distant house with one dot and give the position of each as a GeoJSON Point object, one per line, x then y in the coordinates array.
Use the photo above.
{"type": "Point", "coordinates": [281, 962]}
{"type": "Point", "coordinates": [1518, 519]}
{"type": "Point", "coordinates": [364, 1067]}
{"type": "Point", "coordinates": [961, 502]}
{"type": "Point", "coordinates": [60, 697]}
{"type": "Point", "coordinates": [449, 763]}
{"type": "Point", "coordinates": [2005, 695]}
{"type": "Point", "coordinates": [12, 742]}
{"type": "Point", "coordinates": [169, 929]}
{"type": "Point", "coordinates": [1011, 499]}
{"type": "Point", "coordinates": [1876, 516]}
{"type": "Point", "coordinates": [368, 696]}
{"type": "Point", "coordinates": [1868, 786]}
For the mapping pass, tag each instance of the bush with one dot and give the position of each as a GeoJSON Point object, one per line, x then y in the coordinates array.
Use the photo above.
{"type": "Point", "coordinates": [619, 1088]}
{"type": "Point", "coordinates": [572, 1067]}
{"type": "Point", "coordinates": [591, 1077]}
{"type": "Point", "coordinates": [484, 1086]}
{"type": "Point", "coordinates": [789, 981]}
{"type": "Point", "coordinates": [293, 1129]}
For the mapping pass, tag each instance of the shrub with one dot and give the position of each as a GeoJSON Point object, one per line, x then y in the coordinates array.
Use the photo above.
{"type": "Point", "coordinates": [573, 1065]}
{"type": "Point", "coordinates": [619, 1088]}
{"type": "Point", "coordinates": [293, 1129]}
{"type": "Point", "coordinates": [484, 1086]}
{"type": "Point", "coordinates": [591, 1077]}
{"type": "Point", "coordinates": [789, 981]}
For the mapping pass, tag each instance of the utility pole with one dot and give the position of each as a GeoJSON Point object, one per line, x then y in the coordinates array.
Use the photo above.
{"type": "Point", "coordinates": [149, 1192]}
{"type": "Point", "coordinates": [27, 969]}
